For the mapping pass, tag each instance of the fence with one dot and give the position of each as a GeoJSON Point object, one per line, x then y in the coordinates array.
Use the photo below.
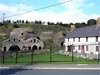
{"type": "Point", "coordinates": [43, 56]}
{"type": "Point", "coordinates": [87, 50]}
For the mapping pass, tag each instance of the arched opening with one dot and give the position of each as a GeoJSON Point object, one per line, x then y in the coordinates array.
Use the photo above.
{"type": "Point", "coordinates": [29, 48]}
{"type": "Point", "coordinates": [34, 40]}
{"type": "Point", "coordinates": [14, 48]}
{"type": "Point", "coordinates": [21, 33]}
{"type": "Point", "coordinates": [34, 47]}
{"type": "Point", "coordinates": [4, 48]}
{"type": "Point", "coordinates": [62, 43]}
{"type": "Point", "coordinates": [39, 48]}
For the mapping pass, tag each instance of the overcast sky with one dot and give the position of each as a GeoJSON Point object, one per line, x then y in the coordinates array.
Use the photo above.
{"type": "Point", "coordinates": [72, 11]}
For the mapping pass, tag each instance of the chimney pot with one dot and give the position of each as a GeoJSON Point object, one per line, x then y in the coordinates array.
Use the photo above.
{"type": "Point", "coordinates": [98, 22]}
{"type": "Point", "coordinates": [72, 27]}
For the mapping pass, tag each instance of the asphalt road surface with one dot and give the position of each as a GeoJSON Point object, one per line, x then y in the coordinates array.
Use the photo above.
{"type": "Point", "coordinates": [48, 72]}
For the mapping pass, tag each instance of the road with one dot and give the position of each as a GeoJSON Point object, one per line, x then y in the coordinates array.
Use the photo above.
{"type": "Point", "coordinates": [48, 72]}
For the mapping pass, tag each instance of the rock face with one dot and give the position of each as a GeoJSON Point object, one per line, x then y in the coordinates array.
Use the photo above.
{"type": "Point", "coordinates": [45, 35]}
{"type": "Point", "coordinates": [56, 37]}
{"type": "Point", "coordinates": [22, 39]}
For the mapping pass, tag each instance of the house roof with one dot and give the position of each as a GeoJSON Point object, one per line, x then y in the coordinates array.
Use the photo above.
{"type": "Point", "coordinates": [89, 31]}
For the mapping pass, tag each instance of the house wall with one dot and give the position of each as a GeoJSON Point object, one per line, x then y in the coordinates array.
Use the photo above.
{"type": "Point", "coordinates": [84, 43]}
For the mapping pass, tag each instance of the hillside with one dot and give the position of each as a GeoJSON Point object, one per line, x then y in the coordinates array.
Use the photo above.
{"type": "Point", "coordinates": [36, 27]}
{"type": "Point", "coordinates": [5, 30]}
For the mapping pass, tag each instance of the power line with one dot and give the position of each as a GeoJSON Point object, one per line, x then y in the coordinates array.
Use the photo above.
{"type": "Point", "coordinates": [38, 9]}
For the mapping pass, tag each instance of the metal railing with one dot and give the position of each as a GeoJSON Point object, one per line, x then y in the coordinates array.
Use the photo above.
{"type": "Point", "coordinates": [43, 56]}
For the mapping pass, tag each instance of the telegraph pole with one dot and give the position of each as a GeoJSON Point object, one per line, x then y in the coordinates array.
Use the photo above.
{"type": "Point", "coordinates": [3, 17]}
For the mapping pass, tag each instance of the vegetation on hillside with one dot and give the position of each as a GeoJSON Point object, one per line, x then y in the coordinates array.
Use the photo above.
{"type": "Point", "coordinates": [39, 23]}
{"type": "Point", "coordinates": [38, 26]}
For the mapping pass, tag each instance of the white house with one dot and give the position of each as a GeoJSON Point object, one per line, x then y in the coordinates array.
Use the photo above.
{"type": "Point", "coordinates": [85, 39]}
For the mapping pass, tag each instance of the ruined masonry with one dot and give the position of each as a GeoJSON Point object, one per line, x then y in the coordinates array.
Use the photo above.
{"type": "Point", "coordinates": [22, 39]}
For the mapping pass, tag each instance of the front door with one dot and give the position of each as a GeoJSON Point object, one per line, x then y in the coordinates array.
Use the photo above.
{"type": "Point", "coordinates": [69, 48]}
{"type": "Point", "coordinates": [82, 48]}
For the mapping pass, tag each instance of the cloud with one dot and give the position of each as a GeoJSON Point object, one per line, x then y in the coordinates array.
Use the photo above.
{"type": "Point", "coordinates": [12, 9]}
{"type": "Point", "coordinates": [91, 4]}
{"type": "Point", "coordinates": [69, 16]}
{"type": "Point", "coordinates": [74, 4]}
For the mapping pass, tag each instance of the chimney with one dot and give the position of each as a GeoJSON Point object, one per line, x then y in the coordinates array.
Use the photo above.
{"type": "Point", "coordinates": [72, 27]}
{"type": "Point", "coordinates": [98, 22]}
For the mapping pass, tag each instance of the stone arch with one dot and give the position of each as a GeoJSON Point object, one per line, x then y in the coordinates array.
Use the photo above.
{"type": "Point", "coordinates": [14, 48]}
{"type": "Point", "coordinates": [40, 48]}
{"type": "Point", "coordinates": [62, 43]}
{"type": "Point", "coordinates": [34, 47]}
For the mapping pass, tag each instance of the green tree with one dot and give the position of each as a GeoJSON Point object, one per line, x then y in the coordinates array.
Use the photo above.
{"type": "Point", "coordinates": [91, 22]}
{"type": "Point", "coordinates": [15, 25]}
{"type": "Point", "coordinates": [36, 22]}
{"type": "Point", "coordinates": [22, 21]}
{"type": "Point", "coordinates": [39, 22]}
{"type": "Point", "coordinates": [27, 21]}
{"type": "Point", "coordinates": [1, 24]}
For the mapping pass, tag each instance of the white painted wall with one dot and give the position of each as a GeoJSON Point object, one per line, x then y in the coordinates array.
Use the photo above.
{"type": "Point", "coordinates": [91, 40]}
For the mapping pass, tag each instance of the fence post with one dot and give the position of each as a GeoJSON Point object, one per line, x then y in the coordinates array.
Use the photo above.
{"type": "Point", "coordinates": [72, 53]}
{"type": "Point", "coordinates": [32, 56]}
{"type": "Point", "coordinates": [99, 51]}
{"type": "Point", "coordinates": [3, 58]}
{"type": "Point", "coordinates": [16, 56]}
{"type": "Point", "coordinates": [50, 54]}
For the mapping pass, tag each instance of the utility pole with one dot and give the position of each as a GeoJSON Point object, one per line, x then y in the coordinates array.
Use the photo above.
{"type": "Point", "coordinates": [3, 18]}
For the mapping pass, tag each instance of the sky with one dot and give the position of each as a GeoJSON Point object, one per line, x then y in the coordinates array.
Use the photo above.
{"type": "Point", "coordinates": [70, 12]}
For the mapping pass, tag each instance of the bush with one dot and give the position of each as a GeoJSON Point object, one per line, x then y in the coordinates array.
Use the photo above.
{"type": "Point", "coordinates": [16, 26]}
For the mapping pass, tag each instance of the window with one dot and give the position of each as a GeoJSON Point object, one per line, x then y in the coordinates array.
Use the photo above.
{"type": "Point", "coordinates": [34, 40]}
{"type": "Point", "coordinates": [79, 39]}
{"type": "Point", "coordinates": [97, 48]}
{"type": "Point", "coordinates": [96, 39]}
{"type": "Point", "coordinates": [86, 48]}
{"type": "Point", "coordinates": [14, 40]}
{"type": "Point", "coordinates": [31, 40]}
{"type": "Point", "coordinates": [86, 39]}
{"type": "Point", "coordinates": [21, 33]}
{"type": "Point", "coordinates": [79, 47]}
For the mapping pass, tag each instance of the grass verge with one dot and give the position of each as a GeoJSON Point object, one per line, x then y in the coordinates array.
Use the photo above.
{"type": "Point", "coordinates": [46, 59]}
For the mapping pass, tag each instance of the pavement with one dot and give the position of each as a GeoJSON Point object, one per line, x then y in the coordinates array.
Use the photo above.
{"type": "Point", "coordinates": [54, 66]}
